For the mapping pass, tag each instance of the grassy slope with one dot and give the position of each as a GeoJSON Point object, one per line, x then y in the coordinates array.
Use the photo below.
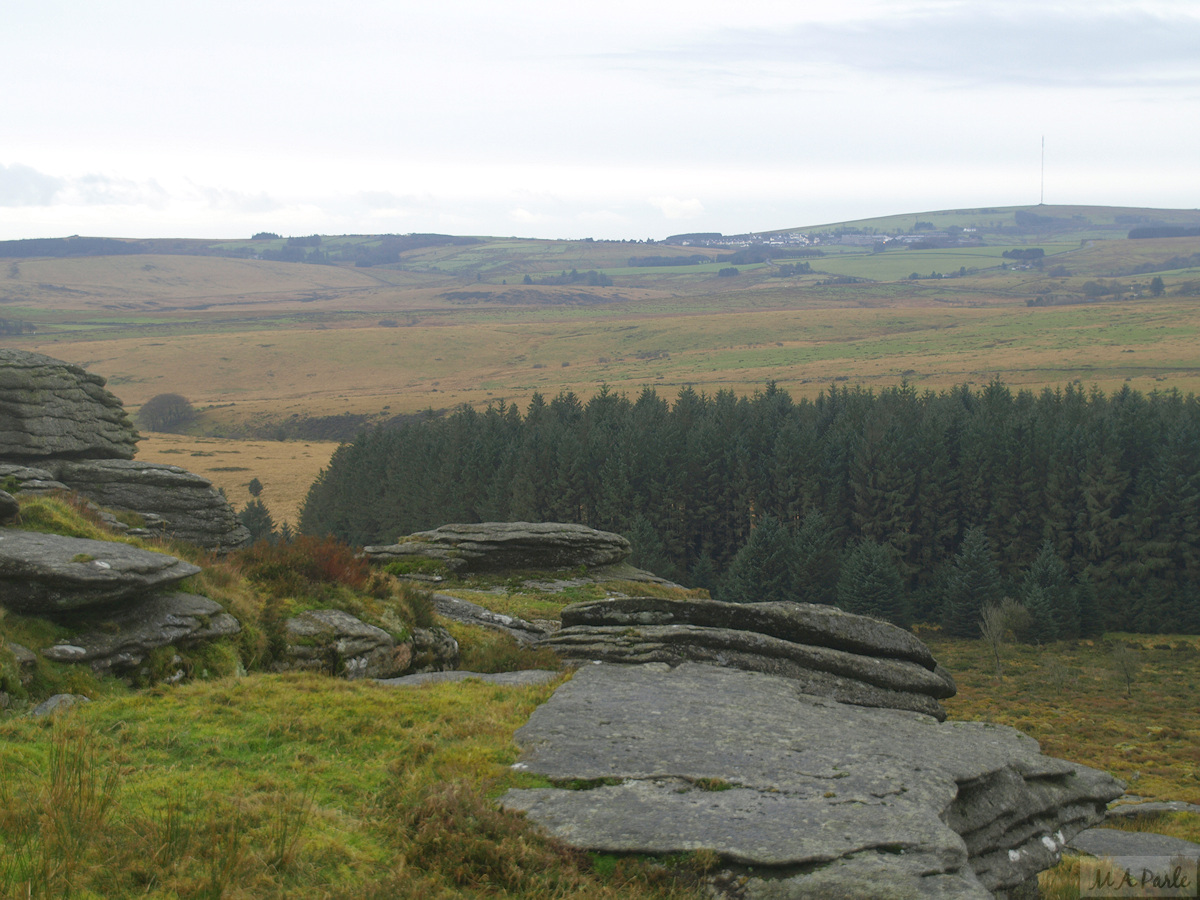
{"type": "Point", "coordinates": [266, 785]}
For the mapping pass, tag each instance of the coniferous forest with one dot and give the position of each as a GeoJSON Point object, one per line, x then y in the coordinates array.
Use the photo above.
{"type": "Point", "coordinates": [919, 507]}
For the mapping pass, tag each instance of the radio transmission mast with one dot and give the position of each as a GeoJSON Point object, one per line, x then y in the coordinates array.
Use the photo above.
{"type": "Point", "coordinates": [1042, 196]}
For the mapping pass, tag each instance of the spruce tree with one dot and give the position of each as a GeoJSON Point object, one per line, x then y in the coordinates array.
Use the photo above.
{"type": "Point", "coordinates": [1043, 625]}
{"type": "Point", "coordinates": [258, 521]}
{"type": "Point", "coordinates": [647, 551]}
{"type": "Point", "coordinates": [870, 583]}
{"type": "Point", "coordinates": [972, 582]}
{"type": "Point", "coordinates": [761, 571]}
{"type": "Point", "coordinates": [1049, 595]}
{"type": "Point", "coordinates": [815, 561]}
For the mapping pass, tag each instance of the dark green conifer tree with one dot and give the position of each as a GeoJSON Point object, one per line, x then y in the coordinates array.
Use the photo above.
{"type": "Point", "coordinates": [972, 582]}
{"type": "Point", "coordinates": [258, 521]}
{"type": "Point", "coordinates": [815, 560]}
{"type": "Point", "coordinates": [870, 583]}
{"type": "Point", "coordinates": [1049, 595]}
{"type": "Point", "coordinates": [647, 551]}
{"type": "Point", "coordinates": [761, 571]}
{"type": "Point", "coordinates": [1043, 623]}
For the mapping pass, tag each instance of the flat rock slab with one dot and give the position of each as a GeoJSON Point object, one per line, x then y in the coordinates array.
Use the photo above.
{"type": "Point", "coordinates": [800, 623]}
{"type": "Point", "coordinates": [827, 652]}
{"type": "Point", "coordinates": [521, 678]}
{"type": "Point", "coordinates": [30, 480]}
{"type": "Point", "coordinates": [842, 676]}
{"type": "Point", "coordinates": [473, 614]}
{"type": "Point", "coordinates": [125, 639]}
{"type": "Point", "coordinates": [59, 703]}
{"type": "Point", "coordinates": [44, 574]}
{"type": "Point", "coordinates": [744, 764]}
{"type": "Point", "coordinates": [1151, 808]}
{"type": "Point", "coordinates": [1120, 845]}
{"type": "Point", "coordinates": [501, 546]}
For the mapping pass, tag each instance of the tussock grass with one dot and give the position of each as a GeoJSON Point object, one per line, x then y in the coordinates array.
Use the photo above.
{"type": "Point", "coordinates": [285, 786]}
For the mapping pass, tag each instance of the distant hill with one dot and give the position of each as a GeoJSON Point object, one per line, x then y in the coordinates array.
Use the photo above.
{"type": "Point", "coordinates": [977, 225]}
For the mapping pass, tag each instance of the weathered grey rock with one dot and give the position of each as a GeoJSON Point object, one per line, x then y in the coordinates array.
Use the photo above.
{"type": "Point", "coordinates": [179, 503]}
{"type": "Point", "coordinates": [500, 546]}
{"type": "Point", "coordinates": [800, 623]}
{"type": "Point", "coordinates": [1126, 846]}
{"type": "Point", "coordinates": [521, 678]}
{"type": "Point", "coordinates": [473, 614]}
{"type": "Point", "coordinates": [25, 660]}
{"type": "Point", "coordinates": [810, 797]}
{"type": "Point", "coordinates": [9, 507]}
{"type": "Point", "coordinates": [45, 574]}
{"type": "Point", "coordinates": [58, 703]}
{"type": "Point", "coordinates": [124, 639]}
{"type": "Point", "coordinates": [334, 641]}
{"type": "Point", "coordinates": [53, 409]}
{"type": "Point", "coordinates": [433, 650]}
{"type": "Point", "coordinates": [1150, 809]}
{"type": "Point", "coordinates": [30, 479]}
{"type": "Point", "coordinates": [827, 652]}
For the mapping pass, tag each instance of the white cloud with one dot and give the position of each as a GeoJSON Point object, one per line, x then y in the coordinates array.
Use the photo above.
{"type": "Point", "coordinates": [676, 208]}
{"type": "Point", "coordinates": [24, 186]}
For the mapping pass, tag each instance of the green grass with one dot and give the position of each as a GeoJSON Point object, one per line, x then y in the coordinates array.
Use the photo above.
{"type": "Point", "coordinates": [894, 265]}
{"type": "Point", "coordinates": [283, 786]}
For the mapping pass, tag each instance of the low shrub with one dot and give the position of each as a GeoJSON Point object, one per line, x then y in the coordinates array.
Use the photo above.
{"type": "Point", "coordinates": [416, 565]}
{"type": "Point", "coordinates": [303, 567]}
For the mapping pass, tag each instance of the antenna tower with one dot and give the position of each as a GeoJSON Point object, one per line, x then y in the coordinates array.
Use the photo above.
{"type": "Point", "coordinates": [1042, 197]}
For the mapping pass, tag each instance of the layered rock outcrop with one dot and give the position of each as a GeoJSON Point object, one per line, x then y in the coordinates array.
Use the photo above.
{"type": "Point", "coordinates": [124, 638]}
{"type": "Point", "coordinates": [852, 659]}
{"type": "Point", "coordinates": [800, 796]}
{"type": "Point", "coordinates": [459, 610]}
{"type": "Point", "coordinates": [171, 500]}
{"type": "Point", "coordinates": [60, 428]}
{"type": "Point", "coordinates": [338, 643]}
{"type": "Point", "coordinates": [48, 574]}
{"type": "Point", "coordinates": [50, 409]}
{"type": "Point", "coordinates": [500, 546]}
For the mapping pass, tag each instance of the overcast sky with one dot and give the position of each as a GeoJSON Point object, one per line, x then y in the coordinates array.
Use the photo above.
{"type": "Point", "coordinates": [626, 119]}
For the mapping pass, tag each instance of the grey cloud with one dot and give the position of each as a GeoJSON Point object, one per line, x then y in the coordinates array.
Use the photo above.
{"type": "Point", "coordinates": [1027, 46]}
{"type": "Point", "coordinates": [237, 201]}
{"type": "Point", "coordinates": [23, 186]}
{"type": "Point", "coordinates": [103, 190]}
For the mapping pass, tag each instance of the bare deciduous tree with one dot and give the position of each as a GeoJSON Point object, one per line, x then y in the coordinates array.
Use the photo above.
{"type": "Point", "coordinates": [1127, 664]}
{"type": "Point", "coordinates": [997, 620]}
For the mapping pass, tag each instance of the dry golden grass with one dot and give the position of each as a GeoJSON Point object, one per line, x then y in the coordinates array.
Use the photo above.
{"type": "Point", "coordinates": [161, 283]}
{"type": "Point", "coordinates": [286, 468]}
{"type": "Point", "coordinates": [472, 359]}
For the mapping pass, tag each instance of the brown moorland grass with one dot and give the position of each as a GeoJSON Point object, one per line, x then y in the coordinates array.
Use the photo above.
{"type": "Point", "coordinates": [1072, 698]}
{"type": "Point", "coordinates": [306, 371]}
{"type": "Point", "coordinates": [286, 469]}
